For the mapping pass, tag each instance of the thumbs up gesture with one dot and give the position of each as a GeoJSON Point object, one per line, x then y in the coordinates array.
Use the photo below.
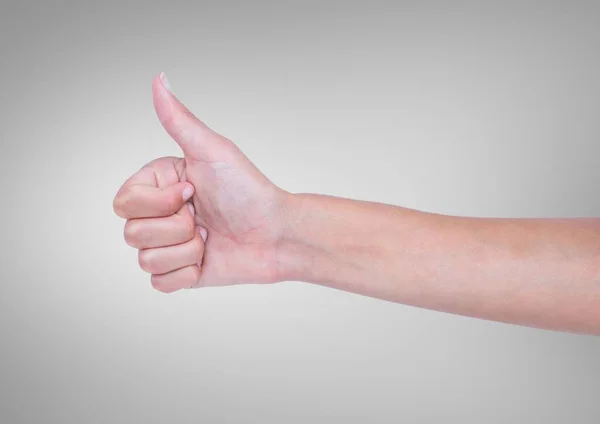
{"type": "Point", "coordinates": [210, 218]}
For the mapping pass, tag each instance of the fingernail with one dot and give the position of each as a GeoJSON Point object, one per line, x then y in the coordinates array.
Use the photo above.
{"type": "Point", "coordinates": [192, 210]}
{"type": "Point", "coordinates": [203, 233]}
{"type": "Point", "coordinates": [166, 82]}
{"type": "Point", "coordinates": [188, 192]}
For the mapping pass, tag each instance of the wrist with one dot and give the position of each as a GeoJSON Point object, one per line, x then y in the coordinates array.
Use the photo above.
{"type": "Point", "coordinates": [290, 244]}
{"type": "Point", "coordinates": [319, 242]}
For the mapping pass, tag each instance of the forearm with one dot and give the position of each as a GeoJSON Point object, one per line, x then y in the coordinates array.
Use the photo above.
{"type": "Point", "coordinates": [536, 272]}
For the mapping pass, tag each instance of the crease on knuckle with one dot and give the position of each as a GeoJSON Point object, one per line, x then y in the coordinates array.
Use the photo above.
{"type": "Point", "coordinates": [171, 205]}
{"type": "Point", "coordinates": [189, 228]}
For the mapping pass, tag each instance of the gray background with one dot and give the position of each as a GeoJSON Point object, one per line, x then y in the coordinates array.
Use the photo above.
{"type": "Point", "coordinates": [481, 109]}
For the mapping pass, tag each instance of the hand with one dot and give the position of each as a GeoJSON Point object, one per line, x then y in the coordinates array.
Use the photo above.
{"type": "Point", "coordinates": [208, 219]}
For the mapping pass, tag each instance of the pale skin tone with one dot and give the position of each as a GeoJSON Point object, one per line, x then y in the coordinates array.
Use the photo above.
{"type": "Point", "coordinates": [212, 218]}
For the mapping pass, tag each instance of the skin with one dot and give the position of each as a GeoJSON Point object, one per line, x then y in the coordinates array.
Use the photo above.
{"type": "Point", "coordinates": [212, 218]}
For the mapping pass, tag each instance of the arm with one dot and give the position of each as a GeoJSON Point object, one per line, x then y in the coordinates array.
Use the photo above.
{"type": "Point", "coordinates": [535, 272]}
{"type": "Point", "coordinates": [212, 218]}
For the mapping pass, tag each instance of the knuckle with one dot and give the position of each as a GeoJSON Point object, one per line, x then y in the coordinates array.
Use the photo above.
{"type": "Point", "coordinates": [188, 229]}
{"type": "Point", "coordinates": [132, 234]}
{"type": "Point", "coordinates": [146, 261]}
{"type": "Point", "coordinates": [158, 284]}
{"type": "Point", "coordinates": [184, 227]}
{"type": "Point", "coordinates": [193, 277]}
{"type": "Point", "coordinates": [168, 206]}
{"type": "Point", "coordinates": [173, 203]}
{"type": "Point", "coordinates": [120, 204]}
{"type": "Point", "coordinates": [170, 120]}
{"type": "Point", "coordinates": [162, 284]}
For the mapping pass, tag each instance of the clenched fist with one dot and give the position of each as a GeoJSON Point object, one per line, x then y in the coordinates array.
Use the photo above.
{"type": "Point", "coordinates": [209, 218]}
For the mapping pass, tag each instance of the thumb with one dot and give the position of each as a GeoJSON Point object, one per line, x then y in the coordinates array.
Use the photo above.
{"type": "Point", "coordinates": [197, 141]}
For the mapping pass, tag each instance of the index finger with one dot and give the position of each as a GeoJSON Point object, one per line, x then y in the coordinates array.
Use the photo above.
{"type": "Point", "coordinates": [141, 197]}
